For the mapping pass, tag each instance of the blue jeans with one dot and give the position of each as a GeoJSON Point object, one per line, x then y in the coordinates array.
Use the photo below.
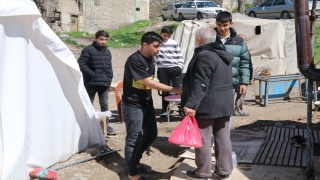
{"type": "Point", "coordinates": [141, 128]}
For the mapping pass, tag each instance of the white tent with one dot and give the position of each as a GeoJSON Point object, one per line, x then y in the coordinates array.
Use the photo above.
{"type": "Point", "coordinates": [274, 47]}
{"type": "Point", "coordinates": [45, 113]}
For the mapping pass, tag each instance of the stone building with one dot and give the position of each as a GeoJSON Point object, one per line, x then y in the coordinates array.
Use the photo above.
{"type": "Point", "coordinates": [61, 15]}
{"type": "Point", "coordinates": [92, 15]}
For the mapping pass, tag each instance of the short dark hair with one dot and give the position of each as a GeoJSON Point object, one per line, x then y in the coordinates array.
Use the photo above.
{"type": "Point", "coordinates": [150, 37]}
{"type": "Point", "coordinates": [224, 17]}
{"type": "Point", "coordinates": [166, 29]}
{"type": "Point", "coordinates": [102, 33]}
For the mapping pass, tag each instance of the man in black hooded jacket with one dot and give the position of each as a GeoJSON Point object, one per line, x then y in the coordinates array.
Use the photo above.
{"type": "Point", "coordinates": [208, 95]}
{"type": "Point", "coordinates": [96, 67]}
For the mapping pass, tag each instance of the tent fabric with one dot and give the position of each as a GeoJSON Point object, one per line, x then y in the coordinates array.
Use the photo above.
{"type": "Point", "coordinates": [291, 46]}
{"type": "Point", "coordinates": [184, 35]}
{"type": "Point", "coordinates": [45, 113]}
{"type": "Point", "coordinates": [274, 47]}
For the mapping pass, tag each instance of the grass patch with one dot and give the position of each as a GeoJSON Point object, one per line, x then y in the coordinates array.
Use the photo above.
{"type": "Point", "coordinates": [69, 41]}
{"type": "Point", "coordinates": [128, 36]}
{"type": "Point", "coordinates": [77, 34]}
{"type": "Point", "coordinates": [73, 42]}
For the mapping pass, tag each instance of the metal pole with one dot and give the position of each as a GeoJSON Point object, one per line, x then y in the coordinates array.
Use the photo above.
{"type": "Point", "coordinates": [309, 121]}
{"type": "Point", "coordinates": [310, 88]}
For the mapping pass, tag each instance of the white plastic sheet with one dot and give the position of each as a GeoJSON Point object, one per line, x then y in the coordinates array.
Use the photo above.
{"type": "Point", "coordinates": [274, 47]}
{"type": "Point", "coordinates": [45, 113]}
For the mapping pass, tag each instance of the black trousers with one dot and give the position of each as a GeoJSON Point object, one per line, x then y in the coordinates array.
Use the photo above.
{"type": "Point", "coordinates": [169, 76]}
{"type": "Point", "coordinates": [102, 93]}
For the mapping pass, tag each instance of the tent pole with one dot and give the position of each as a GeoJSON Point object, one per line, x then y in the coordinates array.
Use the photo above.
{"type": "Point", "coordinates": [309, 121]}
{"type": "Point", "coordinates": [310, 88]}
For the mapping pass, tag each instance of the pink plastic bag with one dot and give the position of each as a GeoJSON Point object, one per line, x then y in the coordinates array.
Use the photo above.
{"type": "Point", "coordinates": [187, 133]}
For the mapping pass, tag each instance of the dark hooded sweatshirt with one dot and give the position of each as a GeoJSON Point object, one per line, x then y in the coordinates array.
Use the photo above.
{"type": "Point", "coordinates": [207, 84]}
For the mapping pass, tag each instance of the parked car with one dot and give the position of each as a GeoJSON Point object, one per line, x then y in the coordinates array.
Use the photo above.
{"type": "Point", "coordinates": [199, 9]}
{"type": "Point", "coordinates": [272, 9]}
{"type": "Point", "coordinates": [171, 12]}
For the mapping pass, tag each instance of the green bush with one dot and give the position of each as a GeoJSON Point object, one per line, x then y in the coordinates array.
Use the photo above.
{"type": "Point", "coordinates": [235, 10]}
{"type": "Point", "coordinates": [248, 6]}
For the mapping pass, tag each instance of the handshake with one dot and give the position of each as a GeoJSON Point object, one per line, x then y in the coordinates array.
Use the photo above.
{"type": "Point", "coordinates": [177, 90]}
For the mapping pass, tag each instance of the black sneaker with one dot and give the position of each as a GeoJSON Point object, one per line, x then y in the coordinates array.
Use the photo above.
{"type": "Point", "coordinates": [298, 139]}
{"type": "Point", "coordinates": [111, 131]}
{"type": "Point", "coordinates": [192, 175]}
{"type": "Point", "coordinates": [224, 177]}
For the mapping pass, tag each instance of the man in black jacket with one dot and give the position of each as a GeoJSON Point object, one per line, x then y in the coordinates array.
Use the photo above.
{"type": "Point", "coordinates": [208, 95]}
{"type": "Point", "coordinates": [96, 67]}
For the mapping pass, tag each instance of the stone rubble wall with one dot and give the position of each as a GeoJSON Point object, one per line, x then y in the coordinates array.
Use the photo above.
{"type": "Point", "coordinates": [108, 14]}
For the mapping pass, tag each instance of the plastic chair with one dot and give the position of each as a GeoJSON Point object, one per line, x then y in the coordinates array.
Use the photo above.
{"type": "Point", "coordinates": [118, 100]}
{"type": "Point", "coordinates": [173, 100]}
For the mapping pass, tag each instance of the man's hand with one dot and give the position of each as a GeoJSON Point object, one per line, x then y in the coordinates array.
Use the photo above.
{"type": "Point", "coordinates": [243, 89]}
{"type": "Point", "coordinates": [189, 112]}
{"type": "Point", "coordinates": [250, 82]}
{"type": "Point", "coordinates": [177, 90]}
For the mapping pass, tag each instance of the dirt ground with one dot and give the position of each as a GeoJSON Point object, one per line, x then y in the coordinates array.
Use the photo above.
{"type": "Point", "coordinates": [162, 156]}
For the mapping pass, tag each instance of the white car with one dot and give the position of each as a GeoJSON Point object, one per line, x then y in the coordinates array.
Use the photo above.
{"type": "Point", "coordinates": [171, 11]}
{"type": "Point", "coordinates": [199, 9]}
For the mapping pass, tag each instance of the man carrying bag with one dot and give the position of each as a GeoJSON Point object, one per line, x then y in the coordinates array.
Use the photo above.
{"type": "Point", "coordinates": [208, 95]}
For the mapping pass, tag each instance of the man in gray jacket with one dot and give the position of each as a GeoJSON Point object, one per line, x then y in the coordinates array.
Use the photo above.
{"type": "Point", "coordinates": [208, 95]}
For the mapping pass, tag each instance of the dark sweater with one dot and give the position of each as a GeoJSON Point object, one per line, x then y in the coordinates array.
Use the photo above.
{"type": "Point", "coordinates": [95, 65]}
{"type": "Point", "coordinates": [207, 84]}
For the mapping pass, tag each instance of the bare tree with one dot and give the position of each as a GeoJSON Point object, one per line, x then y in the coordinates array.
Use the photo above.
{"type": "Point", "coordinates": [242, 6]}
{"type": "Point", "coordinates": [257, 2]}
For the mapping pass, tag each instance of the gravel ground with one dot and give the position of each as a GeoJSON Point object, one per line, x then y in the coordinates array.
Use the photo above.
{"type": "Point", "coordinates": [163, 157]}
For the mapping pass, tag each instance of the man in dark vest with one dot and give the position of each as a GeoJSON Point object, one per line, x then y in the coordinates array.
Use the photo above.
{"type": "Point", "coordinates": [96, 67]}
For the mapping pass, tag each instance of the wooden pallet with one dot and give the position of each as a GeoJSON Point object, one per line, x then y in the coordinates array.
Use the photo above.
{"type": "Point", "coordinates": [278, 150]}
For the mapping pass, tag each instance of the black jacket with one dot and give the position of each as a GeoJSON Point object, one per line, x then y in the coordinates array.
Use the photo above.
{"type": "Point", "coordinates": [207, 84]}
{"type": "Point", "coordinates": [95, 65]}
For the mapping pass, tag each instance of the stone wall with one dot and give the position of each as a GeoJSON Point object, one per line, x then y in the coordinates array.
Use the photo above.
{"type": "Point", "coordinates": [58, 14]}
{"type": "Point", "coordinates": [108, 14]}
{"type": "Point", "coordinates": [68, 6]}
{"type": "Point", "coordinates": [145, 8]}
{"type": "Point", "coordinates": [228, 5]}
{"type": "Point", "coordinates": [156, 6]}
